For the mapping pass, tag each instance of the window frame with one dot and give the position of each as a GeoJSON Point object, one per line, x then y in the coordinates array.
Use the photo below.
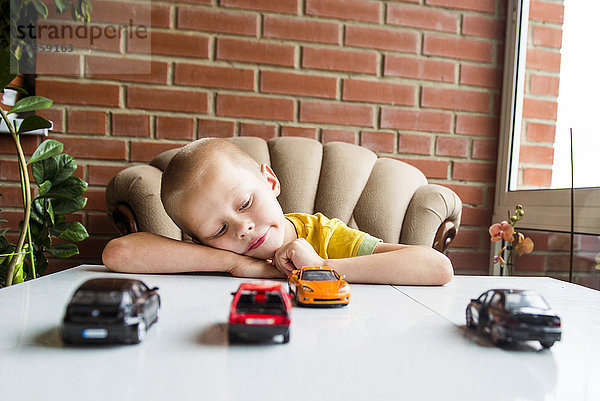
{"type": "Point", "coordinates": [545, 209]}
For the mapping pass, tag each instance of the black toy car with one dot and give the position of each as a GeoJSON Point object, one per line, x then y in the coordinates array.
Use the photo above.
{"type": "Point", "coordinates": [110, 310]}
{"type": "Point", "coordinates": [514, 315]}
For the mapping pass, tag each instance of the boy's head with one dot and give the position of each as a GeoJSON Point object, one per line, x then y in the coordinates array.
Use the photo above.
{"type": "Point", "coordinates": [219, 195]}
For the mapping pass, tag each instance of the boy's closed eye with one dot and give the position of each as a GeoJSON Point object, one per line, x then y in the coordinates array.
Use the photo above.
{"type": "Point", "coordinates": [223, 228]}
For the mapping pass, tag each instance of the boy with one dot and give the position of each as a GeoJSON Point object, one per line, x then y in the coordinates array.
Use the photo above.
{"type": "Point", "coordinates": [218, 195]}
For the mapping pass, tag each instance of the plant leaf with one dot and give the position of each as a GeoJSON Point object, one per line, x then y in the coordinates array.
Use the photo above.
{"type": "Point", "coordinates": [20, 90]}
{"type": "Point", "coordinates": [66, 167]}
{"type": "Point", "coordinates": [7, 59]}
{"type": "Point", "coordinates": [63, 250]}
{"type": "Point", "coordinates": [47, 149]}
{"type": "Point", "coordinates": [41, 8]}
{"type": "Point", "coordinates": [72, 187]}
{"type": "Point", "coordinates": [45, 170]}
{"type": "Point", "coordinates": [72, 231]}
{"type": "Point", "coordinates": [45, 187]}
{"type": "Point", "coordinates": [63, 206]}
{"type": "Point", "coordinates": [31, 103]}
{"type": "Point", "coordinates": [33, 122]}
{"type": "Point", "coordinates": [61, 6]}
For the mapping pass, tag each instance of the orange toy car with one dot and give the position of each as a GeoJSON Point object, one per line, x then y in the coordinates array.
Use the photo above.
{"type": "Point", "coordinates": [318, 286]}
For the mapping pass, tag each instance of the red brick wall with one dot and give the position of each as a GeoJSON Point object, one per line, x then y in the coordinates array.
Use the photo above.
{"type": "Point", "coordinates": [417, 80]}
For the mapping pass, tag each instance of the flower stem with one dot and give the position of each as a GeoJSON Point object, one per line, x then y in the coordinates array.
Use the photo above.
{"type": "Point", "coordinates": [27, 199]}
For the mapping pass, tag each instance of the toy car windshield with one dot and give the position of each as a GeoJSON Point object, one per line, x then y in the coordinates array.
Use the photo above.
{"type": "Point", "coordinates": [523, 300]}
{"type": "Point", "coordinates": [318, 275]}
{"type": "Point", "coordinates": [269, 302]}
{"type": "Point", "coordinates": [89, 297]}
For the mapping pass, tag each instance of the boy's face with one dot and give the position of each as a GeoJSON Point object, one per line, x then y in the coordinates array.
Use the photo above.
{"type": "Point", "coordinates": [234, 209]}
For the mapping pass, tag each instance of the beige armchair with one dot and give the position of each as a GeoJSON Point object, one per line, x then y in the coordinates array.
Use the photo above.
{"type": "Point", "coordinates": [385, 197]}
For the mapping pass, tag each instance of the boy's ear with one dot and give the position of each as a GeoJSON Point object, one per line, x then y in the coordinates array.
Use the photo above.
{"type": "Point", "coordinates": [271, 178]}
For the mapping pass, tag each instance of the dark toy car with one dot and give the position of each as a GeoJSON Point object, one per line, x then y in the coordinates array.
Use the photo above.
{"type": "Point", "coordinates": [110, 310]}
{"type": "Point", "coordinates": [259, 311]}
{"type": "Point", "coordinates": [514, 315]}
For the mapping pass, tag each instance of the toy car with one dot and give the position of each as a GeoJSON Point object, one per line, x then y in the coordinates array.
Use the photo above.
{"type": "Point", "coordinates": [259, 311]}
{"type": "Point", "coordinates": [319, 286]}
{"type": "Point", "coordinates": [110, 310]}
{"type": "Point", "coordinates": [514, 315]}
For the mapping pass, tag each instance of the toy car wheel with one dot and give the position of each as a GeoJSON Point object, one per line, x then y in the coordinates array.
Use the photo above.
{"type": "Point", "coordinates": [496, 336]}
{"type": "Point", "coordinates": [141, 331]}
{"type": "Point", "coordinates": [470, 323]}
{"type": "Point", "coordinates": [547, 344]}
{"type": "Point", "coordinates": [286, 337]}
{"type": "Point", "coordinates": [233, 338]}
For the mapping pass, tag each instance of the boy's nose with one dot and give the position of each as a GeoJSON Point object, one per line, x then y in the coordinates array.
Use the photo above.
{"type": "Point", "coordinates": [245, 228]}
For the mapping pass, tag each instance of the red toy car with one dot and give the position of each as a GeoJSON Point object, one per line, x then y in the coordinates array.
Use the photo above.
{"type": "Point", "coordinates": [259, 311]}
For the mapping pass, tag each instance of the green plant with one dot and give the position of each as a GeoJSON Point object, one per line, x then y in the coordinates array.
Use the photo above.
{"type": "Point", "coordinates": [59, 193]}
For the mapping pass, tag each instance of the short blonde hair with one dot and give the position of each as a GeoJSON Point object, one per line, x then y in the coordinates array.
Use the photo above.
{"type": "Point", "coordinates": [189, 165]}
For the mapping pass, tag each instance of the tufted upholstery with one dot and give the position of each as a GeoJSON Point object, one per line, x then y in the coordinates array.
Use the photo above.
{"type": "Point", "coordinates": [387, 198]}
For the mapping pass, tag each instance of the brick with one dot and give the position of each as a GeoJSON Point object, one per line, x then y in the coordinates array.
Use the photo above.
{"type": "Point", "coordinates": [305, 132]}
{"type": "Point", "coordinates": [55, 116]}
{"type": "Point", "coordinates": [455, 99]}
{"type": "Point", "coordinates": [540, 59]}
{"type": "Point", "coordinates": [467, 124]}
{"type": "Point", "coordinates": [449, 146]}
{"type": "Point", "coordinates": [339, 60]}
{"type": "Point", "coordinates": [196, 1]}
{"type": "Point", "coordinates": [171, 44]}
{"type": "Point", "coordinates": [13, 219]}
{"type": "Point", "coordinates": [468, 194]}
{"type": "Point", "coordinates": [537, 108]}
{"type": "Point", "coordinates": [431, 168]}
{"type": "Point", "coordinates": [384, 39]}
{"type": "Point", "coordinates": [255, 52]}
{"type": "Point", "coordinates": [536, 154]}
{"type": "Point", "coordinates": [174, 127]}
{"type": "Point", "coordinates": [488, 6]}
{"type": "Point", "coordinates": [378, 92]}
{"type": "Point", "coordinates": [357, 10]}
{"type": "Point", "coordinates": [378, 141]}
{"type": "Point", "coordinates": [301, 29]}
{"type": "Point", "coordinates": [139, 13]}
{"type": "Point", "coordinates": [66, 34]}
{"type": "Point", "coordinates": [476, 75]}
{"type": "Point", "coordinates": [472, 171]}
{"type": "Point", "coordinates": [485, 27]}
{"type": "Point", "coordinates": [86, 122]}
{"type": "Point", "coordinates": [100, 223]}
{"type": "Point", "coordinates": [97, 149]}
{"type": "Point", "coordinates": [544, 85]}
{"type": "Point", "coordinates": [255, 107]}
{"type": "Point", "coordinates": [541, 132]}
{"type": "Point", "coordinates": [336, 113]}
{"type": "Point", "coordinates": [79, 93]}
{"type": "Point", "coordinates": [146, 151]}
{"type": "Point", "coordinates": [333, 135]}
{"type": "Point", "coordinates": [278, 6]}
{"type": "Point", "coordinates": [167, 99]}
{"type": "Point", "coordinates": [204, 19]}
{"type": "Point", "coordinates": [471, 262]}
{"type": "Point", "coordinates": [28, 143]}
{"type": "Point", "coordinates": [215, 128]}
{"type": "Point", "coordinates": [214, 77]}
{"type": "Point", "coordinates": [11, 196]}
{"type": "Point", "coordinates": [416, 68]}
{"type": "Point", "coordinates": [546, 11]}
{"type": "Point", "coordinates": [457, 48]}
{"type": "Point", "coordinates": [130, 124]}
{"type": "Point", "coordinates": [476, 216]}
{"type": "Point", "coordinates": [468, 238]}
{"type": "Point", "coordinates": [485, 149]}
{"type": "Point", "coordinates": [298, 84]}
{"type": "Point", "coordinates": [415, 120]}
{"type": "Point", "coordinates": [422, 17]}
{"type": "Point", "coordinates": [417, 144]}
{"type": "Point", "coordinates": [263, 131]}
{"type": "Point", "coordinates": [59, 64]}
{"type": "Point", "coordinates": [9, 170]}
{"type": "Point", "coordinates": [547, 36]}
{"type": "Point", "coordinates": [102, 174]}
{"type": "Point", "coordinates": [129, 70]}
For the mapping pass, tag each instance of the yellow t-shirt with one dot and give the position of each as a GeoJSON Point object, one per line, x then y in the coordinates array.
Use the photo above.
{"type": "Point", "coordinates": [331, 238]}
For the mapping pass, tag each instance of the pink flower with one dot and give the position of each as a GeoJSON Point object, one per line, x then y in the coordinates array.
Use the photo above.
{"type": "Point", "coordinates": [523, 244]}
{"type": "Point", "coordinates": [502, 230]}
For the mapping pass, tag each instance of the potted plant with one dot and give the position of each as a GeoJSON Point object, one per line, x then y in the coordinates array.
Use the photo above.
{"type": "Point", "coordinates": [59, 193]}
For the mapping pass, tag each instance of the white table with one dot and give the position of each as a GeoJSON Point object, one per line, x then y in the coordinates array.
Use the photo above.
{"type": "Point", "coordinates": [390, 343]}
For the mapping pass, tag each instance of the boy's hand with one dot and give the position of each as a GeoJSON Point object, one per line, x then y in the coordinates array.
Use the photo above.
{"type": "Point", "coordinates": [294, 255]}
{"type": "Point", "coordinates": [255, 268]}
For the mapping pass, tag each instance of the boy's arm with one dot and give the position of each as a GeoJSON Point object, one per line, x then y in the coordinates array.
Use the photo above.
{"type": "Point", "coordinates": [389, 264]}
{"type": "Point", "coordinates": [150, 253]}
